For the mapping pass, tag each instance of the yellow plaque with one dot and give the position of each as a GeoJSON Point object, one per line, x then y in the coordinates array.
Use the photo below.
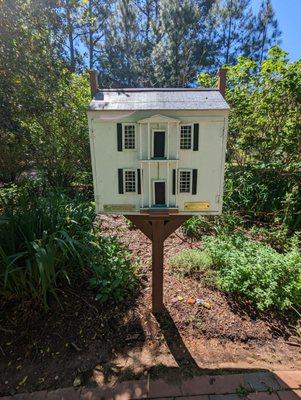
{"type": "Point", "coordinates": [119, 207]}
{"type": "Point", "coordinates": [196, 206]}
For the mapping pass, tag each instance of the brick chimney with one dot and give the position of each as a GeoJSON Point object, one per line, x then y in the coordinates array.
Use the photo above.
{"type": "Point", "coordinates": [93, 82]}
{"type": "Point", "coordinates": [222, 78]}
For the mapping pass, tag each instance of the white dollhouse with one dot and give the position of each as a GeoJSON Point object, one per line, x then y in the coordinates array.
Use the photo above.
{"type": "Point", "coordinates": [155, 149]}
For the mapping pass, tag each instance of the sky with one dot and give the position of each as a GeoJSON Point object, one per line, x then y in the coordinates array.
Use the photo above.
{"type": "Point", "coordinates": [288, 13]}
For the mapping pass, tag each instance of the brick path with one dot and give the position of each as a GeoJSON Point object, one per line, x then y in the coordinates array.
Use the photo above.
{"type": "Point", "coordinates": [281, 385]}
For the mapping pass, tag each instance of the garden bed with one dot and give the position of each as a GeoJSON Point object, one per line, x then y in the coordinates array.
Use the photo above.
{"type": "Point", "coordinates": [81, 338]}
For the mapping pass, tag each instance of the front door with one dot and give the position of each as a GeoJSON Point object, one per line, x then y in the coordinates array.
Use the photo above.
{"type": "Point", "coordinates": [159, 193]}
{"type": "Point", "coordinates": [159, 144]}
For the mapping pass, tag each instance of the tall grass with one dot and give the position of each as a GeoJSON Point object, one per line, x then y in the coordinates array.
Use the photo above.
{"type": "Point", "coordinates": [47, 238]}
{"type": "Point", "coordinates": [43, 238]}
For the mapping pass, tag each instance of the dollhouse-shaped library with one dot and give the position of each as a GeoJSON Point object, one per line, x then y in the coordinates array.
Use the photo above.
{"type": "Point", "coordinates": [155, 149]}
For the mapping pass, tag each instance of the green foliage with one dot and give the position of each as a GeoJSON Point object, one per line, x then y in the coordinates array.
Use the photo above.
{"type": "Point", "coordinates": [114, 274]}
{"type": "Point", "coordinates": [264, 126]}
{"type": "Point", "coordinates": [194, 263]}
{"type": "Point", "coordinates": [59, 141]}
{"type": "Point", "coordinates": [278, 237]}
{"type": "Point", "coordinates": [266, 194]}
{"type": "Point", "coordinates": [47, 236]}
{"type": "Point", "coordinates": [263, 150]}
{"type": "Point", "coordinates": [226, 223]}
{"type": "Point", "coordinates": [255, 270]}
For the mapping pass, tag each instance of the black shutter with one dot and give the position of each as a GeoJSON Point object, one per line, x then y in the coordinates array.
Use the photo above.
{"type": "Point", "coordinates": [120, 180]}
{"type": "Point", "coordinates": [173, 181]}
{"type": "Point", "coordinates": [139, 180]}
{"type": "Point", "coordinates": [194, 180]}
{"type": "Point", "coordinates": [195, 137]}
{"type": "Point", "coordinates": [119, 137]}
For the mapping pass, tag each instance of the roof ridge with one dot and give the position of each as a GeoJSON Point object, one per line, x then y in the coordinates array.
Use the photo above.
{"type": "Point", "coordinates": [157, 89]}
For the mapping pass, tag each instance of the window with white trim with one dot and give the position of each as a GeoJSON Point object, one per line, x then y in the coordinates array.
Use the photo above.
{"type": "Point", "coordinates": [186, 137]}
{"type": "Point", "coordinates": [184, 181]}
{"type": "Point", "coordinates": [129, 137]}
{"type": "Point", "coordinates": [129, 181]}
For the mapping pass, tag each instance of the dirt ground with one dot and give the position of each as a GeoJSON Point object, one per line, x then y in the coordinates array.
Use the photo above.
{"type": "Point", "coordinates": [80, 341]}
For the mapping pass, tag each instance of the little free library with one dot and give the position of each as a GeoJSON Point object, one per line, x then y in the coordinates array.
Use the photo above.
{"type": "Point", "coordinates": [158, 157]}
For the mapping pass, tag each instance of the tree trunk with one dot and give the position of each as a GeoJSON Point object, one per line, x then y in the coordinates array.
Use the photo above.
{"type": "Point", "coordinates": [70, 37]}
{"type": "Point", "coordinates": [229, 36]}
{"type": "Point", "coordinates": [91, 38]}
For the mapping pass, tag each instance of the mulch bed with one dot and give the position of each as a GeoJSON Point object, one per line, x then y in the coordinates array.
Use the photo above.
{"type": "Point", "coordinates": [78, 338]}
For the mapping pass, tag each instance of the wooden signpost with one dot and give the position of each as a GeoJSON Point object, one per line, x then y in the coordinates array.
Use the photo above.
{"type": "Point", "coordinates": [157, 226]}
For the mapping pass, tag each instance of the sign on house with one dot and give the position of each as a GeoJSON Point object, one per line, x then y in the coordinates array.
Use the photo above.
{"type": "Point", "coordinates": [158, 149]}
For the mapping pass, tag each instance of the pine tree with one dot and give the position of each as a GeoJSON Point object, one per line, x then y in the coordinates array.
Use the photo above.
{"type": "Point", "coordinates": [264, 34]}
{"type": "Point", "coordinates": [95, 17]}
{"type": "Point", "coordinates": [71, 13]}
{"type": "Point", "coordinates": [235, 18]}
{"type": "Point", "coordinates": [175, 53]}
{"type": "Point", "coordinates": [120, 63]}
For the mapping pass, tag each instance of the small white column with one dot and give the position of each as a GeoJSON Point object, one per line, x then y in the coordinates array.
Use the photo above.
{"type": "Point", "coordinates": [149, 186]}
{"type": "Point", "coordinates": [142, 183]}
{"type": "Point", "coordinates": [140, 141]}
{"type": "Point", "coordinates": [148, 141]}
{"type": "Point", "coordinates": [178, 138]}
{"type": "Point", "coordinates": [167, 183]}
{"type": "Point", "coordinates": [167, 150]}
{"type": "Point", "coordinates": [176, 195]}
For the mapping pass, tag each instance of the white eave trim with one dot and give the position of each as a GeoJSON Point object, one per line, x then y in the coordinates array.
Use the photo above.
{"type": "Point", "coordinates": [158, 118]}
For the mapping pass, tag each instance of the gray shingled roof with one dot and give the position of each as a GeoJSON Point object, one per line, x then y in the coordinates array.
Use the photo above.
{"type": "Point", "coordinates": [158, 99]}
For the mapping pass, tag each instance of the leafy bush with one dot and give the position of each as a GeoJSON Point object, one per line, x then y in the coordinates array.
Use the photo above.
{"type": "Point", "coordinates": [196, 263]}
{"type": "Point", "coordinates": [46, 236]}
{"type": "Point", "coordinates": [279, 238]}
{"type": "Point", "coordinates": [114, 274]}
{"type": "Point", "coordinates": [264, 194]}
{"type": "Point", "coordinates": [257, 271]}
{"type": "Point", "coordinates": [227, 223]}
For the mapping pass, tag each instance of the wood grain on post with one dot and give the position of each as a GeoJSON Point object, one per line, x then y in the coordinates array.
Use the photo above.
{"type": "Point", "coordinates": [157, 265]}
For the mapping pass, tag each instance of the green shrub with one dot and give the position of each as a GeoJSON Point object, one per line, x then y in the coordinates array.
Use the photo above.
{"type": "Point", "coordinates": [227, 223]}
{"type": "Point", "coordinates": [114, 273]}
{"type": "Point", "coordinates": [263, 193]}
{"type": "Point", "coordinates": [48, 236]}
{"type": "Point", "coordinates": [255, 270]}
{"type": "Point", "coordinates": [278, 237]}
{"type": "Point", "coordinates": [193, 227]}
{"type": "Point", "coordinates": [195, 263]}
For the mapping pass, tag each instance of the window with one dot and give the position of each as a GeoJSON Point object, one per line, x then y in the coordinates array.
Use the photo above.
{"type": "Point", "coordinates": [129, 137]}
{"type": "Point", "coordinates": [129, 181]}
{"type": "Point", "coordinates": [186, 137]}
{"type": "Point", "coordinates": [185, 181]}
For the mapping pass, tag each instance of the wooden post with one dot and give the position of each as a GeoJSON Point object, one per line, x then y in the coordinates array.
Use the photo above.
{"type": "Point", "coordinates": [157, 265]}
{"type": "Point", "coordinates": [157, 227]}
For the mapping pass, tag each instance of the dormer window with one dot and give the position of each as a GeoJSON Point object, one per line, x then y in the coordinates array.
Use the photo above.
{"type": "Point", "coordinates": [186, 137]}
{"type": "Point", "coordinates": [129, 137]}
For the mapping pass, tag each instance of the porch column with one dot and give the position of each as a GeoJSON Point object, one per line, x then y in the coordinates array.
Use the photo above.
{"type": "Point", "coordinates": [167, 150]}
{"type": "Point", "coordinates": [148, 140]}
{"type": "Point", "coordinates": [140, 141]}
{"type": "Point", "coordinates": [149, 186]}
{"type": "Point", "coordinates": [141, 183]}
